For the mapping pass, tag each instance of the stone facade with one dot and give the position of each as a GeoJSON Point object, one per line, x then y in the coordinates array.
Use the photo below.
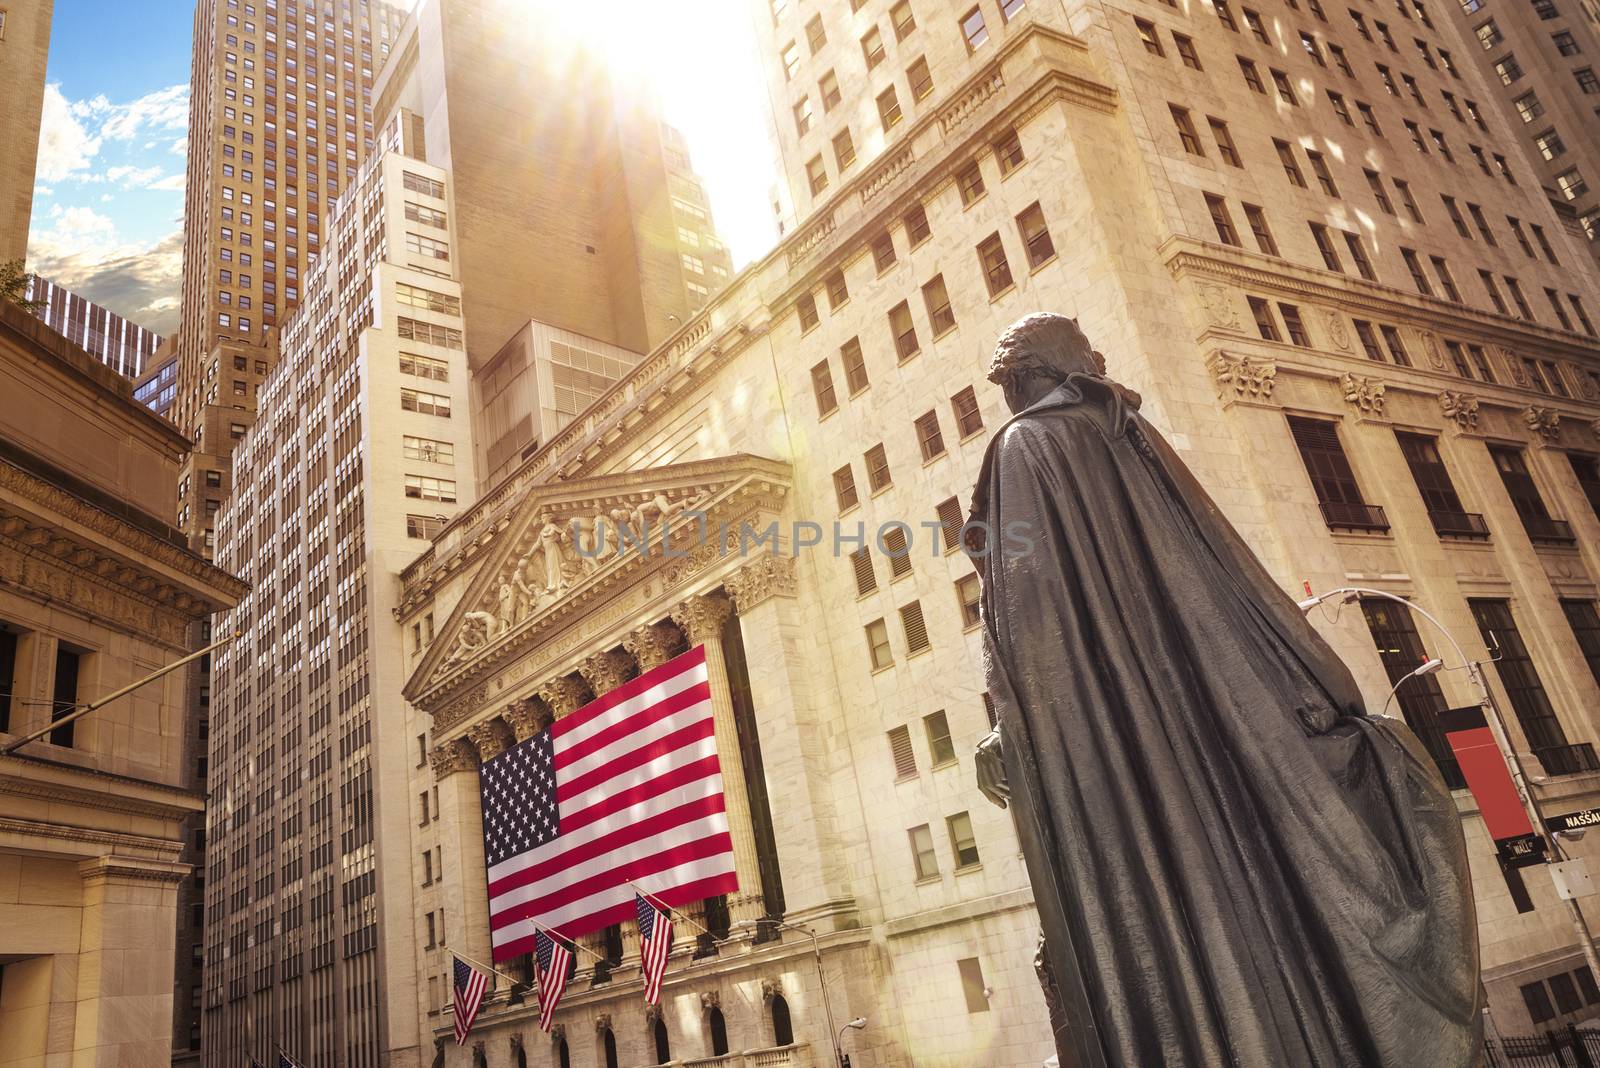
{"type": "Point", "coordinates": [1193, 254]}
{"type": "Point", "coordinates": [96, 592]}
{"type": "Point", "coordinates": [24, 50]}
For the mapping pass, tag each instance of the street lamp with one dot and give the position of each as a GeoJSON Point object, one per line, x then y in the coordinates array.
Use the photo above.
{"type": "Point", "coordinates": [822, 978]}
{"type": "Point", "coordinates": [1497, 728]}
{"type": "Point", "coordinates": [1427, 667]}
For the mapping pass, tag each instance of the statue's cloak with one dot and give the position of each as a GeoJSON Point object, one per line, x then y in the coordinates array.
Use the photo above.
{"type": "Point", "coordinates": [1233, 863]}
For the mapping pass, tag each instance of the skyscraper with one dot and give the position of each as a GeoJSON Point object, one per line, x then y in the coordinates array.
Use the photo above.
{"type": "Point", "coordinates": [1542, 60]}
{"type": "Point", "coordinates": [102, 333]}
{"type": "Point", "coordinates": [1371, 339]}
{"type": "Point", "coordinates": [24, 50]}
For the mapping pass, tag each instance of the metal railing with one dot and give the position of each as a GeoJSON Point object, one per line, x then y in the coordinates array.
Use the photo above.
{"type": "Point", "coordinates": [1571, 1048]}
{"type": "Point", "coordinates": [1459, 525]}
{"type": "Point", "coordinates": [796, 1055]}
{"type": "Point", "coordinates": [1568, 759]}
{"type": "Point", "coordinates": [1548, 531]}
{"type": "Point", "coordinates": [1347, 515]}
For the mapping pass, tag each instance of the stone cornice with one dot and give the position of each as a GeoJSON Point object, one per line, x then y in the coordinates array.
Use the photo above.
{"type": "Point", "coordinates": [94, 840]}
{"type": "Point", "coordinates": [117, 869]}
{"type": "Point", "coordinates": [1186, 257]}
{"type": "Point", "coordinates": [27, 776]}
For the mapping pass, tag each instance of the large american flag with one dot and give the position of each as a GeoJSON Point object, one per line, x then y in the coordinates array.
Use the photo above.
{"type": "Point", "coordinates": [626, 789]}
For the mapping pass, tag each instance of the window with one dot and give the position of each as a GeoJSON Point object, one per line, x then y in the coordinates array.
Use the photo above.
{"type": "Point", "coordinates": [427, 246]}
{"type": "Point", "coordinates": [962, 843]}
{"type": "Point", "coordinates": [1396, 347]}
{"type": "Point", "coordinates": [1514, 287]}
{"type": "Point", "coordinates": [1572, 184]}
{"type": "Point", "coordinates": [428, 333]}
{"type": "Point", "coordinates": [904, 331]}
{"type": "Point", "coordinates": [1319, 167]}
{"type": "Point", "coordinates": [816, 174]}
{"type": "Point", "coordinates": [822, 386]}
{"type": "Point", "coordinates": [1293, 323]}
{"type": "Point", "coordinates": [791, 60]}
{"type": "Point", "coordinates": [1369, 117]}
{"type": "Point", "coordinates": [1148, 37]}
{"type": "Point", "coordinates": [1588, 83]}
{"type": "Point", "coordinates": [1186, 51]}
{"type": "Point", "coordinates": [1008, 152]}
{"type": "Point", "coordinates": [844, 149]}
{"type": "Point", "coordinates": [1035, 235]}
{"type": "Point", "coordinates": [937, 301]}
{"type": "Point", "coordinates": [948, 512]}
{"type": "Point", "coordinates": [1525, 497]}
{"type": "Point", "coordinates": [968, 592]}
{"type": "Point", "coordinates": [1330, 255]}
{"type": "Point", "coordinates": [844, 488]}
{"type": "Point", "coordinates": [1314, 50]}
{"type": "Point", "coordinates": [419, 184]}
{"type": "Point", "coordinates": [916, 224]}
{"type": "Point", "coordinates": [915, 628]}
{"type": "Point", "coordinates": [889, 109]}
{"type": "Point", "coordinates": [1358, 253]}
{"type": "Point", "coordinates": [1258, 226]}
{"type": "Point", "coordinates": [1585, 624]}
{"type": "Point", "coordinates": [1285, 90]}
{"type": "Point", "coordinates": [1333, 480]}
{"type": "Point", "coordinates": [923, 860]}
{"type": "Point", "coordinates": [1537, 999]}
{"type": "Point", "coordinates": [905, 758]}
{"type": "Point", "coordinates": [1565, 44]}
{"type": "Point", "coordinates": [878, 474]}
{"type": "Point", "coordinates": [1252, 77]}
{"type": "Point", "coordinates": [1009, 8]}
{"type": "Point", "coordinates": [855, 366]}
{"type": "Point", "coordinates": [973, 987]}
{"type": "Point", "coordinates": [414, 400]}
{"type": "Point", "coordinates": [1437, 489]}
{"type": "Point", "coordinates": [1224, 140]}
{"type": "Point", "coordinates": [1266, 325]}
{"type": "Point", "coordinates": [1523, 686]}
{"type": "Point", "coordinates": [996, 269]}
{"type": "Point", "coordinates": [1421, 702]}
{"type": "Point", "coordinates": [930, 439]}
{"type": "Point", "coordinates": [417, 297]}
{"type": "Point", "coordinates": [1381, 195]}
{"type": "Point", "coordinates": [973, 30]}
{"type": "Point", "coordinates": [941, 750]}
{"type": "Point", "coordinates": [968, 417]}
{"type": "Point", "coordinates": [1446, 279]}
{"type": "Point", "coordinates": [1186, 133]}
{"type": "Point", "coordinates": [422, 487]}
{"type": "Point", "coordinates": [1414, 265]}
{"type": "Point", "coordinates": [883, 256]}
{"type": "Point", "coordinates": [1544, 244]}
{"type": "Point", "coordinates": [1343, 61]}
{"type": "Point", "coordinates": [64, 694]}
{"type": "Point", "coordinates": [1225, 14]}
{"type": "Point", "coordinates": [1508, 69]}
{"type": "Point", "coordinates": [920, 77]}
{"type": "Point", "coordinates": [1221, 220]}
{"type": "Point", "coordinates": [969, 181]}
{"type": "Point", "coordinates": [1291, 167]}
{"type": "Point", "coordinates": [828, 86]}
{"type": "Point", "coordinates": [806, 308]}
{"type": "Point", "coordinates": [802, 116]}
{"type": "Point", "coordinates": [423, 526]}
{"type": "Point", "coordinates": [838, 292]}
{"type": "Point", "coordinates": [1340, 108]}
{"type": "Point", "coordinates": [1480, 360]}
{"type": "Point", "coordinates": [439, 452]}
{"type": "Point", "coordinates": [905, 22]}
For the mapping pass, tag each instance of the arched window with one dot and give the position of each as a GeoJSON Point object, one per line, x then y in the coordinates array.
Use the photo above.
{"type": "Point", "coordinates": [563, 1058]}
{"type": "Point", "coordinates": [608, 1046]}
{"type": "Point", "coordinates": [719, 1032]}
{"type": "Point", "coordinates": [521, 1056]}
{"type": "Point", "coordinates": [663, 1047]}
{"type": "Point", "coordinates": [478, 1059]}
{"type": "Point", "coordinates": [782, 1029]}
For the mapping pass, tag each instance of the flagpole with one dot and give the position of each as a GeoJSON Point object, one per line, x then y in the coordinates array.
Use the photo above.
{"type": "Point", "coordinates": [573, 942]}
{"type": "Point", "coordinates": [488, 968]}
{"type": "Point", "coordinates": [662, 906]}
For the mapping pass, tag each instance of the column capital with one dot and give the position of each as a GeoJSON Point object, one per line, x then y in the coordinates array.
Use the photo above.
{"type": "Point", "coordinates": [605, 670]}
{"type": "Point", "coordinates": [527, 717]}
{"type": "Point", "coordinates": [653, 644]}
{"type": "Point", "coordinates": [563, 695]}
{"type": "Point", "coordinates": [451, 757]}
{"type": "Point", "coordinates": [765, 577]}
{"type": "Point", "coordinates": [491, 737]}
{"type": "Point", "coordinates": [1543, 423]}
{"type": "Point", "coordinates": [702, 616]}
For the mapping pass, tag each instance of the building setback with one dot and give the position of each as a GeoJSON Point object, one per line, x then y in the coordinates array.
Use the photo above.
{"type": "Point", "coordinates": [157, 385]}
{"type": "Point", "coordinates": [1371, 339]}
{"type": "Point", "coordinates": [24, 51]}
{"type": "Point", "coordinates": [1540, 60]}
{"type": "Point", "coordinates": [102, 333]}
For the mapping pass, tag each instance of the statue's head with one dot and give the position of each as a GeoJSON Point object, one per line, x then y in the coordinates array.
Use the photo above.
{"type": "Point", "coordinates": [1036, 353]}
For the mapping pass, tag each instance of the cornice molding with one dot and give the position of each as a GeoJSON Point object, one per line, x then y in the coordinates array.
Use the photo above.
{"type": "Point", "coordinates": [22, 775]}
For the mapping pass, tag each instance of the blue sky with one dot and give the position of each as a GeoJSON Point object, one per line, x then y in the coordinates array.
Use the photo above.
{"type": "Point", "coordinates": [108, 200]}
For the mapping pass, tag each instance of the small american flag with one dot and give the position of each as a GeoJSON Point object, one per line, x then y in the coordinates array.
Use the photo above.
{"type": "Point", "coordinates": [655, 946]}
{"type": "Point", "coordinates": [625, 789]}
{"type": "Point", "coordinates": [470, 985]}
{"type": "Point", "coordinates": [556, 966]}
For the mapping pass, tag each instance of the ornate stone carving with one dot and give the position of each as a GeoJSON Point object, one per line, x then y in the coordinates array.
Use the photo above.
{"type": "Point", "coordinates": [606, 670]}
{"type": "Point", "coordinates": [1219, 305]}
{"type": "Point", "coordinates": [652, 1013]}
{"type": "Point", "coordinates": [1460, 408]}
{"type": "Point", "coordinates": [770, 988]}
{"type": "Point", "coordinates": [36, 577]}
{"type": "Point", "coordinates": [602, 1023]}
{"type": "Point", "coordinates": [710, 999]}
{"type": "Point", "coordinates": [1338, 332]}
{"type": "Point", "coordinates": [1519, 373]}
{"type": "Point", "coordinates": [1546, 422]}
{"type": "Point", "coordinates": [527, 718]}
{"type": "Point", "coordinates": [702, 617]}
{"type": "Point", "coordinates": [491, 737]}
{"type": "Point", "coordinates": [558, 1033]}
{"type": "Point", "coordinates": [1246, 377]}
{"type": "Point", "coordinates": [563, 696]}
{"type": "Point", "coordinates": [1588, 384]}
{"type": "Point", "coordinates": [1363, 393]}
{"type": "Point", "coordinates": [653, 644]}
{"type": "Point", "coordinates": [766, 576]}
{"type": "Point", "coordinates": [1430, 345]}
{"type": "Point", "coordinates": [451, 757]}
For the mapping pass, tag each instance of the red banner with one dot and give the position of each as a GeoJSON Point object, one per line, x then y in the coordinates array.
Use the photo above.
{"type": "Point", "coordinates": [1484, 768]}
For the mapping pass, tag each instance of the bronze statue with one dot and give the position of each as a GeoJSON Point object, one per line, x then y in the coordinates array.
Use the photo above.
{"type": "Point", "coordinates": [1233, 863]}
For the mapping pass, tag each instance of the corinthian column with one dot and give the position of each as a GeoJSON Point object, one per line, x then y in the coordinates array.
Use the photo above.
{"type": "Point", "coordinates": [460, 818]}
{"type": "Point", "coordinates": [701, 618]}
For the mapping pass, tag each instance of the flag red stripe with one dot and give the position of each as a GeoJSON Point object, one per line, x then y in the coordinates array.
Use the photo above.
{"type": "Point", "coordinates": [648, 827]}
{"type": "Point", "coordinates": [567, 789]}
{"type": "Point", "coordinates": [698, 693]}
{"type": "Point", "coordinates": [633, 871]}
{"type": "Point", "coordinates": [642, 792]}
{"type": "Point", "coordinates": [632, 688]}
{"type": "Point", "coordinates": [676, 896]}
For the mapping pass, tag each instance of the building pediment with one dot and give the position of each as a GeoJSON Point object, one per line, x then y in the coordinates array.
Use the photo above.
{"type": "Point", "coordinates": [571, 546]}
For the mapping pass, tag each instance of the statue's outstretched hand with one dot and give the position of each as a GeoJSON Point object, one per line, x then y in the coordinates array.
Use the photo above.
{"type": "Point", "coordinates": [992, 769]}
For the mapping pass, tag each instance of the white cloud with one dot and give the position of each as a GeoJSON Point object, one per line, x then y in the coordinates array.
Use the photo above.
{"type": "Point", "coordinates": [180, 146]}
{"type": "Point", "coordinates": [81, 249]}
{"type": "Point", "coordinates": [65, 145]}
{"type": "Point", "coordinates": [164, 109]}
{"type": "Point", "coordinates": [134, 177]}
{"type": "Point", "coordinates": [172, 182]}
